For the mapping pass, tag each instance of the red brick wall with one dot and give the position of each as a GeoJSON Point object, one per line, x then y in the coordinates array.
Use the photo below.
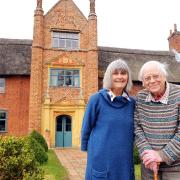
{"type": "Point", "coordinates": [64, 16]}
{"type": "Point", "coordinates": [174, 42]}
{"type": "Point", "coordinates": [15, 101]}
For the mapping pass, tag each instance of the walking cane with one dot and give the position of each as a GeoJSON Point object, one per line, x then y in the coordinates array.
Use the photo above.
{"type": "Point", "coordinates": [156, 174]}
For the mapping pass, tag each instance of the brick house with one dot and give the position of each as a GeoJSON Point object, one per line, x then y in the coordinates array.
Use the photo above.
{"type": "Point", "coordinates": [45, 83]}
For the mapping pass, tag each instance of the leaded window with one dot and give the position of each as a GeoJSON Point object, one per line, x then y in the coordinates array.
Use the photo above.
{"type": "Point", "coordinates": [64, 77]}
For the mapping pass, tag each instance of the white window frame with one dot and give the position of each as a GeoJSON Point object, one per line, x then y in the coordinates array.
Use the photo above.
{"type": "Point", "coordinates": [65, 40]}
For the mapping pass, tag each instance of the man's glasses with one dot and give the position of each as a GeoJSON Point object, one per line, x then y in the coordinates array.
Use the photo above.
{"type": "Point", "coordinates": [149, 78]}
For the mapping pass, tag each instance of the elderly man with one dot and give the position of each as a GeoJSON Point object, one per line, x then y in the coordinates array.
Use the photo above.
{"type": "Point", "coordinates": [157, 128]}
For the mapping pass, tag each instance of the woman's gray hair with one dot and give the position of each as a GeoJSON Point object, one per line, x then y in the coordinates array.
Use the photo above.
{"type": "Point", "coordinates": [162, 67]}
{"type": "Point", "coordinates": [116, 65]}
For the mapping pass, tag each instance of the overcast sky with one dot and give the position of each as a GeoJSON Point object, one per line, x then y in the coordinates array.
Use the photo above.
{"type": "Point", "coordinates": [135, 24]}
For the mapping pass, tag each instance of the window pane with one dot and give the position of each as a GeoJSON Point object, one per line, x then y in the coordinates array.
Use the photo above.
{"type": "Point", "coordinates": [76, 81]}
{"type": "Point", "coordinates": [68, 80]}
{"type": "Point", "coordinates": [68, 124]}
{"type": "Point", "coordinates": [74, 44]}
{"type": "Point", "coordinates": [62, 35]}
{"type": "Point", "coordinates": [2, 125]}
{"type": "Point", "coordinates": [59, 125]}
{"type": "Point", "coordinates": [68, 35]}
{"type": "Point", "coordinates": [60, 80]}
{"type": "Point", "coordinates": [75, 36]}
{"type": "Point", "coordinates": [61, 72]}
{"type": "Point", "coordinates": [2, 85]}
{"type": "Point", "coordinates": [68, 44]}
{"type": "Point", "coordinates": [2, 81]}
{"type": "Point", "coordinates": [69, 72]}
{"type": "Point", "coordinates": [62, 43]}
{"type": "Point", "coordinates": [55, 34]}
{"type": "Point", "coordinates": [54, 81]}
{"type": "Point", "coordinates": [55, 42]}
{"type": "Point", "coordinates": [54, 72]}
{"type": "Point", "coordinates": [76, 72]}
{"type": "Point", "coordinates": [2, 115]}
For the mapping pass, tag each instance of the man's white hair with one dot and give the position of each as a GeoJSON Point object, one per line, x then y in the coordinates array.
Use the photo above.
{"type": "Point", "coordinates": [162, 67]}
{"type": "Point", "coordinates": [116, 65]}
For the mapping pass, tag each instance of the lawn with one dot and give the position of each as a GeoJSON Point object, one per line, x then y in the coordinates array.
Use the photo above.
{"type": "Point", "coordinates": [53, 168]}
{"type": "Point", "coordinates": [137, 172]}
{"type": "Point", "coordinates": [55, 171]}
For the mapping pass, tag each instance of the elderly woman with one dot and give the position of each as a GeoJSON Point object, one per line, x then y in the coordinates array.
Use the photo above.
{"type": "Point", "coordinates": [107, 130]}
{"type": "Point", "coordinates": [157, 126]}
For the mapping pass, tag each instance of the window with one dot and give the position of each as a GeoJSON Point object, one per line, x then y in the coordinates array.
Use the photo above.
{"type": "Point", "coordinates": [2, 85]}
{"type": "Point", "coordinates": [64, 77]}
{"type": "Point", "coordinates": [66, 40]}
{"type": "Point", "coordinates": [3, 121]}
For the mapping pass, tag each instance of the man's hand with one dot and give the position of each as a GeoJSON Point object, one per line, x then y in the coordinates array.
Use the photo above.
{"type": "Point", "coordinates": [150, 156]}
{"type": "Point", "coordinates": [154, 166]}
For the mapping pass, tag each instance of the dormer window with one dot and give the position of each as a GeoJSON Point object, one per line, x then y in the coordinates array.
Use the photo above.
{"type": "Point", "coordinates": [65, 40]}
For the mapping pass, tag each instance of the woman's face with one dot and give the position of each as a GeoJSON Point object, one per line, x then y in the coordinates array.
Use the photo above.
{"type": "Point", "coordinates": [119, 79]}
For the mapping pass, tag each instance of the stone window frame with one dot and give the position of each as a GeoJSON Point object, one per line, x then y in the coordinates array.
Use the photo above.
{"type": "Point", "coordinates": [74, 80]}
{"type": "Point", "coordinates": [5, 119]}
{"type": "Point", "coordinates": [2, 85]}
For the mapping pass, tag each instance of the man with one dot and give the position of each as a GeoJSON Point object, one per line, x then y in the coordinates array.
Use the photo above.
{"type": "Point", "coordinates": [157, 128]}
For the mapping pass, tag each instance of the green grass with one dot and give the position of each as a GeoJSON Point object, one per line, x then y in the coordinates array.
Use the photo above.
{"type": "Point", "coordinates": [53, 168]}
{"type": "Point", "coordinates": [138, 172]}
{"type": "Point", "coordinates": [55, 171]}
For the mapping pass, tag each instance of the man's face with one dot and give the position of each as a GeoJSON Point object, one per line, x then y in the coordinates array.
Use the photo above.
{"type": "Point", "coordinates": [154, 80]}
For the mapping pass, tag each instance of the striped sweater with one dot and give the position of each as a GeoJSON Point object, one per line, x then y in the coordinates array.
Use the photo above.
{"type": "Point", "coordinates": [157, 127]}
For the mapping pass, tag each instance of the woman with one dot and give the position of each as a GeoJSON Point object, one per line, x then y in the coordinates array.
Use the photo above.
{"type": "Point", "coordinates": [107, 130]}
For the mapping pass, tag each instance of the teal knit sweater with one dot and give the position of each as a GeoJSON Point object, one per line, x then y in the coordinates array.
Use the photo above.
{"type": "Point", "coordinates": [157, 127]}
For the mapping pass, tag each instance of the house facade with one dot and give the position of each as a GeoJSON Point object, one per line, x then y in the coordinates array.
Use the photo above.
{"type": "Point", "coordinates": [45, 83]}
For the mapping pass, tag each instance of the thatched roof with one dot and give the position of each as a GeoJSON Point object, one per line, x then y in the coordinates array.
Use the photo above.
{"type": "Point", "coordinates": [136, 58]}
{"type": "Point", "coordinates": [15, 56]}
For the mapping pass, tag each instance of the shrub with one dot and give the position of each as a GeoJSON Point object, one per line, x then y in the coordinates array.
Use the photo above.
{"type": "Point", "coordinates": [40, 154]}
{"type": "Point", "coordinates": [40, 139]}
{"type": "Point", "coordinates": [17, 159]}
{"type": "Point", "coordinates": [136, 156]}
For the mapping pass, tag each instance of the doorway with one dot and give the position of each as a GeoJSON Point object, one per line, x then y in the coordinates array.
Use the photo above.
{"type": "Point", "coordinates": [63, 131]}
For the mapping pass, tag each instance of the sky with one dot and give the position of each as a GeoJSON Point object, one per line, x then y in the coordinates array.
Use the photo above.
{"type": "Point", "coordinates": [132, 24]}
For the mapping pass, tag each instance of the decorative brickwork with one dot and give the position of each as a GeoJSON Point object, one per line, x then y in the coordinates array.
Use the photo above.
{"type": "Point", "coordinates": [66, 17]}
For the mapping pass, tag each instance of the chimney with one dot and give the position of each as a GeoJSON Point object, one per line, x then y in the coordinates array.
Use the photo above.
{"type": "Point", "coordinates": [174, 39]}
{"type": "Point", "coordinates": [92, 24]}
{"type": "Point", "coordinates": [36, 70]}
